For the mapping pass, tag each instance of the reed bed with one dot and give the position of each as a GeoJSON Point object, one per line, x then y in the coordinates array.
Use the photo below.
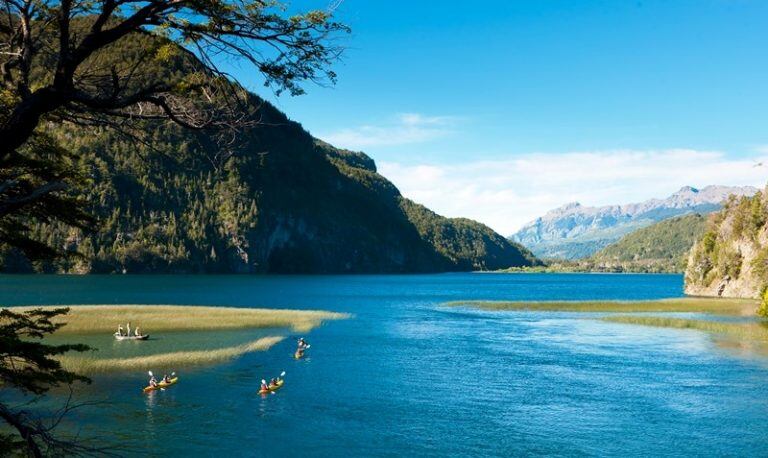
{"type": "Point", "coordinates": [97, 319]}
{"type": "Point", "coordinates": [719, 306]}
{"type": "Point", "coordinates": [163, 361]}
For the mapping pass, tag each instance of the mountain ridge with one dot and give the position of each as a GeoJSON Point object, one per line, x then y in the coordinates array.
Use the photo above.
{"type": "Point", "coordinates": [574, 231]}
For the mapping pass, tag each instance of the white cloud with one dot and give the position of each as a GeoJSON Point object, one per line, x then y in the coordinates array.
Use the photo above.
{"type": "Point", "coordinates": [505, 194]}
{"type": "Point", "coordinates": [406, 128]}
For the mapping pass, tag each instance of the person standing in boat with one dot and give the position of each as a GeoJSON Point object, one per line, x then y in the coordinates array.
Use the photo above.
{"type": "Point", "coordinates": [120, 330]}
{"type": "Point", "coordinates": [136, 332]}
{"type": "Point", "coordinates": [129, 329]}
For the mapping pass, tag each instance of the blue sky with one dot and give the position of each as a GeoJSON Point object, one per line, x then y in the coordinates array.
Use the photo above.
{"type": "Point", "coordinates": [450, 98]}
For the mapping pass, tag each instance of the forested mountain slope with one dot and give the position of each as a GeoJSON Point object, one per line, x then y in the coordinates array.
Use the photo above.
{"type": "Point", "coordinates": [661, 247]}
{"type": "Point", "coordinates": [283, 202]}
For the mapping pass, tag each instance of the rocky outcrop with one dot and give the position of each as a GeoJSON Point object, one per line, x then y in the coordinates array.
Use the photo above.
{"type": "Point", "coordinates": [731, 258]}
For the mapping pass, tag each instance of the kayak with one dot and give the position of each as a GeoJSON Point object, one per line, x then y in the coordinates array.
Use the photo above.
{"type": "Point", "coordinates": [119, 337]}
{"type": "Point", "coordinates": [298, 354]}
{"type": "Point", "coordinates": [161, 385]}
{"type": "Point", "coordinates": [272, 388]}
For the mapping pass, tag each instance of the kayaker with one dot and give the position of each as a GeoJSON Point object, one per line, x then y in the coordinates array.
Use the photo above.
{"type": "Point", "coordinates": [153, 382]}
{"type": "Point", "coordinates": [129, 330]}
{"type": "Point", "coordinates": [302, 344]}
{"type": "Point", "coordinates": [273, 382]}
{"type": "Point", "coordinates": [166, 379]}
{"type": "Point", "coordinates": [136, 332]}
{"type": "Point", "coordinates": [264, 386]}
{"type": "Point", "coordinates": [120, 329]}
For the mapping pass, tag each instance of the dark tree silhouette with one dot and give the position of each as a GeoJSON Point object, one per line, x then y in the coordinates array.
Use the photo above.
{"type": "Point", "coordinates": [62, 61]}
{"type": "Point", "coordinates": [28, 365]}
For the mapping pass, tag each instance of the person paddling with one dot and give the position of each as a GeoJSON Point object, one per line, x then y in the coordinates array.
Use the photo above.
{"type": "Point", "coordinates": [152, 381]}
{"type": "Point", "coordinates": [120, 330]}
{"type": "Point", "coordinates": [264, 386]}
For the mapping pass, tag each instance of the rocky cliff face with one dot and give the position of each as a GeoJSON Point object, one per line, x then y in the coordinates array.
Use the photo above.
{"type": "Point", "coordinates": [575, 231]}
{"type": "Point", "coordinates": [731, 258]}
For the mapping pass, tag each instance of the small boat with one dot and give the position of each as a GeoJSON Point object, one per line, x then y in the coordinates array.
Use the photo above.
{"type": "Point", "coordinates": [272, 388]}
{"type": "Point", "coordinates": [300, 352]}
{"type": "Point", "coordinates": [121, 337]}
{"type": "Point", "coordinates": [161, 385]}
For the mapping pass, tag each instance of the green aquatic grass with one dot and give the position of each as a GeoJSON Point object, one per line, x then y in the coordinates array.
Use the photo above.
{"type": "Point", "coordinates": [175, 360]}
{"type": "Point", "coordinates": [721, 306]}
{"type": "Point", "coordinates": [97, 319]}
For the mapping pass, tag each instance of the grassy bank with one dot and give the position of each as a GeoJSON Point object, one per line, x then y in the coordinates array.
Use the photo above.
{"type": "Point", "coordinates": [719, 306]}
{"type": "Point", "coordinates": [97, 319]}
{"type": "Point", "coordinates": [175, 360]}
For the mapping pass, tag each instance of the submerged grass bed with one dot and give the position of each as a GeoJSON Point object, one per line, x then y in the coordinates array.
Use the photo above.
{"type": "Point", "coordinates": [741, 330]}
{"type": "Point", "coordinates": [86, 365]}
{"type": "Point", "coordinates": [96, 319]}
{"type": "Point", "coordinates": [89, 321]}
{"type": "Point", "coordinates": [719, 306]}
{"type": "Point", "coordinates": [749, 338]}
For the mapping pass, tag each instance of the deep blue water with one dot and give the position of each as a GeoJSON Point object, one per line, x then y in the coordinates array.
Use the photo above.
{"type": "Point", "coordinates": [408, 376]}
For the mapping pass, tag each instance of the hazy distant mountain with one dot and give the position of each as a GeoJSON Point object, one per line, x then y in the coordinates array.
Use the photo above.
{"type": "Point", "coordinates": [574, 231]}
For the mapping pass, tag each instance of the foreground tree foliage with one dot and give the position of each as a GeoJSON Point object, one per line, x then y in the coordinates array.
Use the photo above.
{"type": "Point", "coordinates": [58, 65]}
{"type": "Point", "coordinates": [61, 66]}
{"type": "Point", "coordinates": [29, 365]}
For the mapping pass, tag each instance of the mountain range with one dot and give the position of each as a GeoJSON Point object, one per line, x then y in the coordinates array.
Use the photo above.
{"type": "Point", "coordinates": [574, 231]}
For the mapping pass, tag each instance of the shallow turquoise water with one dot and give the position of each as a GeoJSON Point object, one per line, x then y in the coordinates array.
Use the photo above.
{"type": "Point", "coordinates": [407, 376]}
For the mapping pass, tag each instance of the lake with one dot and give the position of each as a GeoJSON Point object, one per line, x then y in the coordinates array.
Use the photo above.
{"type": "Point", "coordinates": [407, 375]}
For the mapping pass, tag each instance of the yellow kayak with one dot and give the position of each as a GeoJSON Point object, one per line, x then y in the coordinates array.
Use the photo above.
{"type": "Point", "coordinates": [272, 388]}
{"type": "Point", "coordinates": [161, 385]}
{"type": "Point", "coordinates": [298, 354]}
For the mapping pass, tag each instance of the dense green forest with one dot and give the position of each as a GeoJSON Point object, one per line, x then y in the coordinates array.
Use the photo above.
{"type": "Point", "coordinates": [275, 200]}
{"type": "Point", "coordinates": [731, 258]}
{"type": "Point", "coordinates": [282, 202]}
{"type": "Point", "coordinates": [661, 247]}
